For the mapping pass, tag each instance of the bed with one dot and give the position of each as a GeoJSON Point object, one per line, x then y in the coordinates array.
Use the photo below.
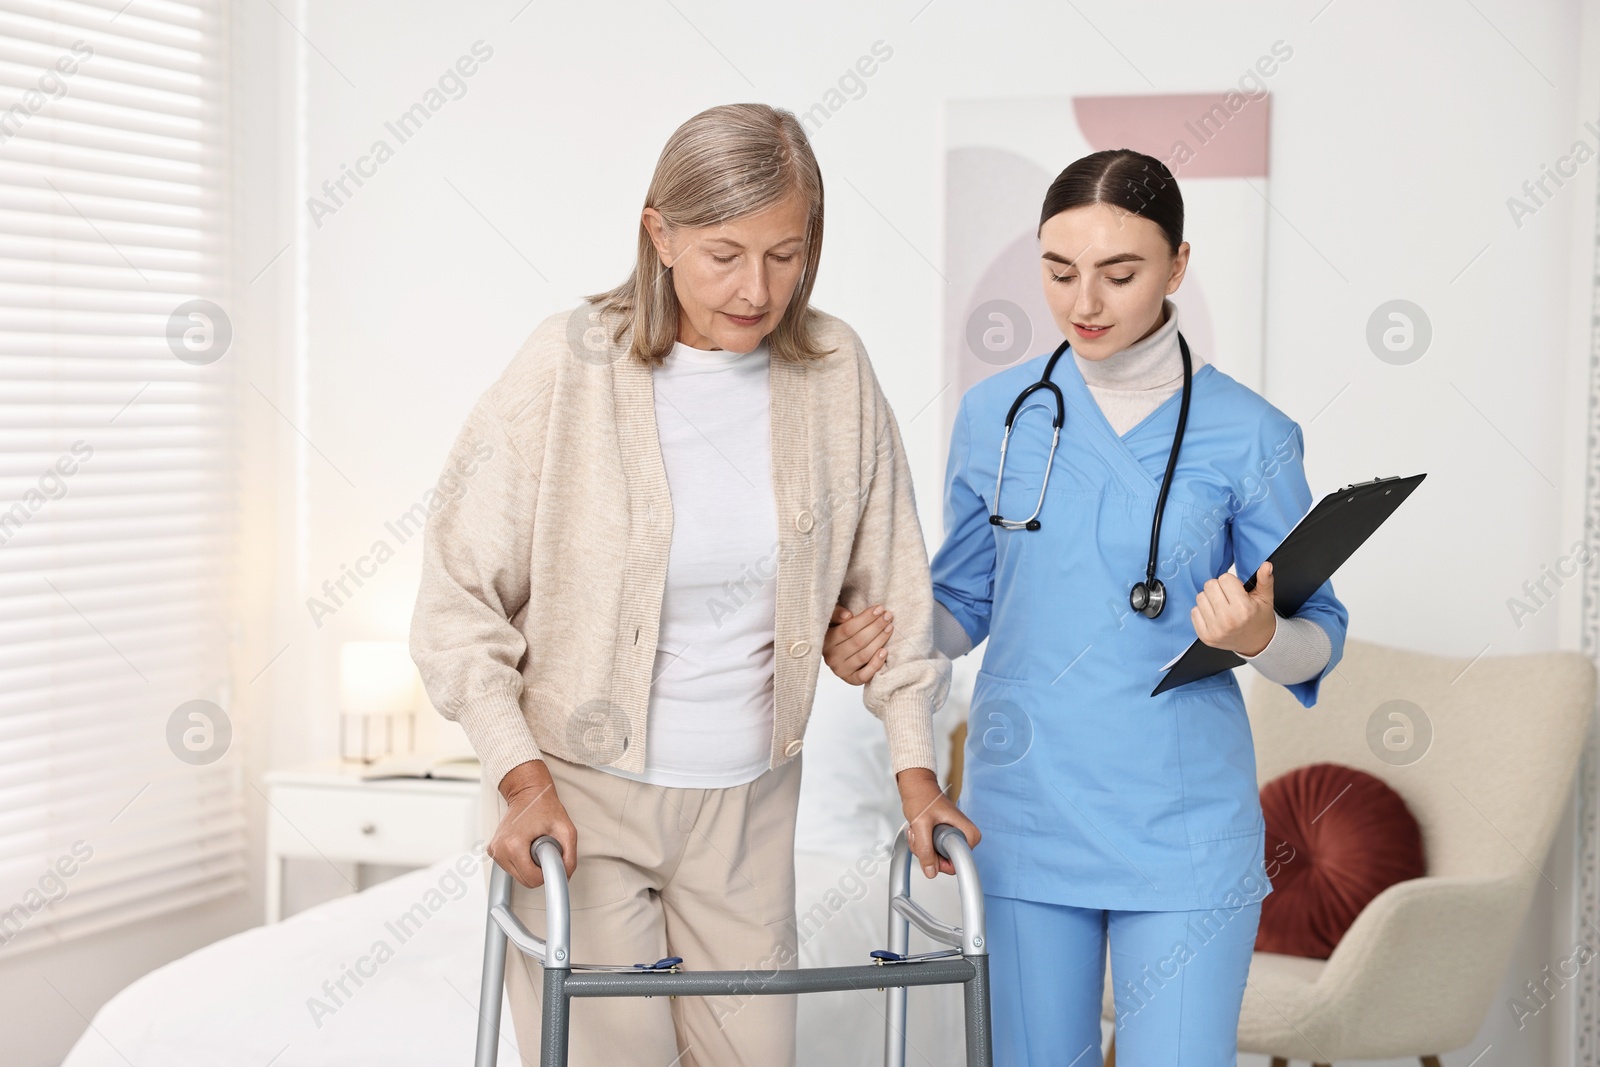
{"type": "Point", "coordinates": [272, 994]}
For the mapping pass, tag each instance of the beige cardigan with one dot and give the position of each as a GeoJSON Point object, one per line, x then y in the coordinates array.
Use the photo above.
{"type": "Point", "coordinates": [545, 556]}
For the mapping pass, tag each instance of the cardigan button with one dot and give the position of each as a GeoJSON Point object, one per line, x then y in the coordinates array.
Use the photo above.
{"type": "Point", "coordinates": [799, 649]}
{"type": "Point", "coordinates": [803, 521]}
{"type": "Point", "coordinates": [793, 747]}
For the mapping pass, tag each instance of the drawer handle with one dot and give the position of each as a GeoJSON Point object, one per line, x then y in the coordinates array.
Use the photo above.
{"type": "Point", "coordinates": [368, 828]}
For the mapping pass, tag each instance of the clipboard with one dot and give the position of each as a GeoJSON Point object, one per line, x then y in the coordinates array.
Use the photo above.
{"type": "Point", "coordinates": [1328, 535]}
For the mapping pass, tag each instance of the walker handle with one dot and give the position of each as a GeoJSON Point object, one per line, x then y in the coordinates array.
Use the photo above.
{"type": "Point", "coordinates": [555, 950]}
{"type": "Point", "coordinates": [951, 843]}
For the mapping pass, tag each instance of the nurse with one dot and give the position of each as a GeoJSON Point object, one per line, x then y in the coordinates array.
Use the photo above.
{"type": "Point", "coordinates": [1111, 818]}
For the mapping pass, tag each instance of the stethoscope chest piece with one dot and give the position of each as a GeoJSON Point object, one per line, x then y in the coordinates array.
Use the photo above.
{"type": "Point", "coordinates": [1148, 598]}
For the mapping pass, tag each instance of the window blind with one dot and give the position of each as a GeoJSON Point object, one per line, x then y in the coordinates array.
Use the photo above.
{"type": "Point", "coordinates": [117, 468]}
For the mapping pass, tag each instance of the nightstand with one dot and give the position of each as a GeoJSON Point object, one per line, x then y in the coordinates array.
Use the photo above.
{"type": "Point", "coordinates": [327, 812]}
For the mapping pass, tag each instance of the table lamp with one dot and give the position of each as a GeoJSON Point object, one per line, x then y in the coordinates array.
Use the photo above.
{"type": "Point", "coordinates": [378, 686]}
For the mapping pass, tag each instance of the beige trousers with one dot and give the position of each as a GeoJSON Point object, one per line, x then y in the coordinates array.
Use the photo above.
{"type": "Point", "coordinates": [706, 874]}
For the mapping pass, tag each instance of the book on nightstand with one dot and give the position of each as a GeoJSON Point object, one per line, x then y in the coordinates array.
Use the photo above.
{"type": "Point", "coordinates": [423, 765]}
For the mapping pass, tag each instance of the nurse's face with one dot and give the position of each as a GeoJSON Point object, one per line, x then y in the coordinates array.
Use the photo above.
{"type": "Point", "coordinates": [733, 280]}
{"type": "Point", "coordinates": [1105, 272]}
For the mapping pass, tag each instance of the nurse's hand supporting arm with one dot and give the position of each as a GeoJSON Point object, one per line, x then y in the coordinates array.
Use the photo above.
{"type": "Point", "coordinates": [854, 646]}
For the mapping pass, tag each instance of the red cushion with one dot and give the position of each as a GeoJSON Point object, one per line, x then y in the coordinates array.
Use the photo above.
{"type": "Point", "coordinates": [1336, 838]}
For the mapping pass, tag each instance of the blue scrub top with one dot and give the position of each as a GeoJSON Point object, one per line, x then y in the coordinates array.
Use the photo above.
{"type": "Point", "coordinates": [1089, 791]}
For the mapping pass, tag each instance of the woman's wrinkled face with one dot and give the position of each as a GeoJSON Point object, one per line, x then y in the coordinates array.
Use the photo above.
{"type": "Point", "coordinates": [1105, 273]}
{"type": "Point", "coordinates": [734, 280]}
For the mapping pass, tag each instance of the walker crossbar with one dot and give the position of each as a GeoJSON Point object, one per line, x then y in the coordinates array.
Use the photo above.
{"type": "Point", "coordinates": [564, 979]}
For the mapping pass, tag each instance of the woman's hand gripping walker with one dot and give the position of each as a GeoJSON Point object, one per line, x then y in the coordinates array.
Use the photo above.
{"type": "Point", "coordinates": [966, 961]}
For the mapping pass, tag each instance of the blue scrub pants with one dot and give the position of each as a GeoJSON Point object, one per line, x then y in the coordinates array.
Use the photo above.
{"type": "Point", "coordinates": [1178, 977]}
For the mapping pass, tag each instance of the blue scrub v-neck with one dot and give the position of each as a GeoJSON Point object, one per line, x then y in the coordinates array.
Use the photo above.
{"type": "Point", "coordinates": [1164, 417]}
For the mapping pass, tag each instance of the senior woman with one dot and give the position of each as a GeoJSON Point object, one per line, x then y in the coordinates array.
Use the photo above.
{"type": "Point", "coordinates": [624, 605]}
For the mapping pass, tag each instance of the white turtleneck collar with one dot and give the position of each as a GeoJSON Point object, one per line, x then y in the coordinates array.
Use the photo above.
{"type": "Point", "coordinates": [1153, 363]}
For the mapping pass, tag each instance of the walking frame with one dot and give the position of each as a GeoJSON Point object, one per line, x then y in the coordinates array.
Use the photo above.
{"type": "Point", "coordinates": [893, 969]}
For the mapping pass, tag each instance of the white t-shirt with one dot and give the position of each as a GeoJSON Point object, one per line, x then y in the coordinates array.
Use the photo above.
{"type": "Point", "coordinates": [709, 721]}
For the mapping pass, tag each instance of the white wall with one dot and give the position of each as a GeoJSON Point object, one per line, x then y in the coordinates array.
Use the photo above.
{"type": "Point", "coordinates": [1398, 132]}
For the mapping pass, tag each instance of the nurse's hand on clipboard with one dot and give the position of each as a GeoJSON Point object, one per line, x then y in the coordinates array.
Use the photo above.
{"type": "Point", "coordinates": [1226, 615]}
{"type": "Point", "coordinates": [854, 649]}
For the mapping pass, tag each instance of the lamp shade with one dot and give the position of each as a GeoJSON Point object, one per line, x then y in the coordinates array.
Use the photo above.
{"type": "Point", "coordinates": [376, 678]}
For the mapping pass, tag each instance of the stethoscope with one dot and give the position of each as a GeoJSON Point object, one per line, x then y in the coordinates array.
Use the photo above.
{"type": "Point", "coordinates": [1149, 596]}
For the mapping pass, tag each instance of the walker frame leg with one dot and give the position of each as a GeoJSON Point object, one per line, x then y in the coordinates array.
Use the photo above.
{"type": "Point", "coordinates": [894, 1037]}
{"type": "Point", "coordinates": [494, 976]}
{"type": "Point", "coordinates": [975, 1005]}
{"type": "Point", "coordinates": [968, 966]}
{"type": "Point", "coordinates": [553, 1035]}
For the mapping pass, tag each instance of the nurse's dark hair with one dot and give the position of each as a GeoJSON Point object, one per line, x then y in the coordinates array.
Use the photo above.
{"type": "Point", "coordinates": [1121, 177]}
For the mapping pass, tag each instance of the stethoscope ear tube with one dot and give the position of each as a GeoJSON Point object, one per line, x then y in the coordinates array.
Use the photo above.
{"type": "Point", "coordinates": [1148, 597]}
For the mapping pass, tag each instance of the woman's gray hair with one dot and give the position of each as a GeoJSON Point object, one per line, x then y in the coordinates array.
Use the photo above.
{"type": "Point", "coordinates": [724, 163]}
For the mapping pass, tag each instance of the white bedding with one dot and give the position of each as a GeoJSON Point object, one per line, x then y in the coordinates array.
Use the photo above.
{"type": "Point", "coordinates": [258, 999]}
{"type": "Point", "coordinates": [254, 998]}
